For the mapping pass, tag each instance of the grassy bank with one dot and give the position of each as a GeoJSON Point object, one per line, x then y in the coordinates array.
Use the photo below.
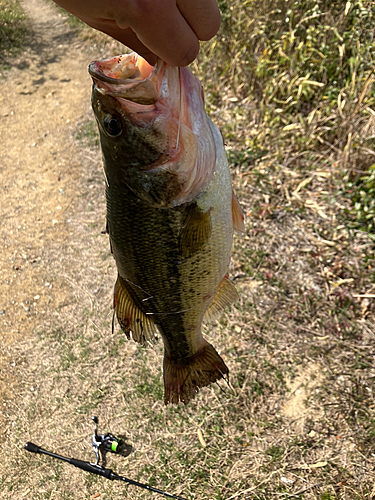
{"type": "Point", "coordinates": [293, 86]}
{"type": "Point", "coordinates": [298, 417]}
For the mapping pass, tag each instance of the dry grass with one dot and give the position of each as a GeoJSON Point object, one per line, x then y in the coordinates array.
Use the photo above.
{"type": "Point", "coordinates": [298, 419]}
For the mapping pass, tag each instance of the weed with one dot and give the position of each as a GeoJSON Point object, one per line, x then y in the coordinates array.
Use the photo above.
{"type": "Point", "coordinates": [327, 496]}
{"type": "Point", "coordinates": [14, 29]}
{"type": "Point", "coordinates": [150, 385]}
{"type": "Point", "coordinates": [296, 102]}
{"type": "Point", "coordinates": [67, 358]}
{"type": "Point", "coordinates": [275, 452]}
{"type": "Point", "coordinates": [362, 195]}
{"type": "Point", "coordinates": [87, 134]}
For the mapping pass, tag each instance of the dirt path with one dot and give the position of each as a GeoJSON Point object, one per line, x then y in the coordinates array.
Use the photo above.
{"type": "Point", "coordinates": [42, 98]}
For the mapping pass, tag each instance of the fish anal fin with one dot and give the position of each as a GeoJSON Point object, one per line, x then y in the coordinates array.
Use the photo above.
{"type": "Point", "coordinates": [130, 316]}
{"type": "Point", "coordinates": [225, 296]}
{"type": "Point", "coordinates": [196, 231]}
{"type": "Point", "coordinates": [182, 380]}
{"type": "Point", "coordinates": [237, 215]}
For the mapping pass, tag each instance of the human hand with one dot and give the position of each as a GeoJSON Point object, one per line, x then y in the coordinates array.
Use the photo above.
{"type": "Point", "coordinates": [169, 29]}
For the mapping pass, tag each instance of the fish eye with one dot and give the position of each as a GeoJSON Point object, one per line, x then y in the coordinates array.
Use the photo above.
{"type": "Point", "coordinates": [112, 125]}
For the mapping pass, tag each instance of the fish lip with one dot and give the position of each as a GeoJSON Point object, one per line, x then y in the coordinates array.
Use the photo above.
{"type": "Point", "coordinates": [128, 63]}
{"type": "Point", "coordinates": [98, 75]}
{"type": "Point", "coordinates": [136, 87]}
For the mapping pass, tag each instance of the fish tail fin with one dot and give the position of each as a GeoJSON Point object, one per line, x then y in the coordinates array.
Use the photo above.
{"type": "Point", "coordinates": [183, 379]}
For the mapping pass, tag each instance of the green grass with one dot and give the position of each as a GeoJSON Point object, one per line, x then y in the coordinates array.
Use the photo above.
{"type": "Point", "coordinates": [87, 134]}
{"type": "Point", "coordinates": [14, 29]}
{"type": "Point", "coordinates": [361, 192]}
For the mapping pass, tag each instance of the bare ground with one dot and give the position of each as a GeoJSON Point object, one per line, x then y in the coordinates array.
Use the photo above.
{"type": "Point", "coordinates": [42, 97]}
{"type": "Point", "coordinates": [298, 419]}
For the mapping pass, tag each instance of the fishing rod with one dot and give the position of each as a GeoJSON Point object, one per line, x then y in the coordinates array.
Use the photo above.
{"type": "Point", "coordinates": [102, 443]}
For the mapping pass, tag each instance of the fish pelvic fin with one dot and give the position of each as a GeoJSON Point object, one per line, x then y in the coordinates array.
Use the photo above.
{"type": "Point", "coordinates": [196, 231]}
{"type": "Point", "coordinates": [184, 378]}
{"type": "Point", "coordinates": [226, 295]}
{"type": "Point", "coordinates": [238, 216]}
{"type": "Point", "coordinates": [130, 316]}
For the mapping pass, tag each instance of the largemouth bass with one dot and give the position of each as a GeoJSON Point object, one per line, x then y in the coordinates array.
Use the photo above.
{"type": "Point", "coordinates": [171, 213]}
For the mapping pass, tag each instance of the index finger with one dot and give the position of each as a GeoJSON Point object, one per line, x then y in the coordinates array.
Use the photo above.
{"type": "Point", "coordinates": [162, 28]}
{"type": "Point", "coordinates": [203, 16]}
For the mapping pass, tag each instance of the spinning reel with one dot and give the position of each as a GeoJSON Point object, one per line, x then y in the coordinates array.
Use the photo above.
{"type": "Point", "coordinates": [102, 444]}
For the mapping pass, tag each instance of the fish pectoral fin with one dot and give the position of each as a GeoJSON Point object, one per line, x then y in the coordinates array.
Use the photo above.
{"type": "Point", "coordinates": [196, 231]}
{"type": "Point", "coordinates": [238, 216]}
{"type": "Point", "coordinates": [226, 295]}
{"type": "Point", "coordinates": [130, 316]}
{"type": "Point", "coordinates": [183, 379]}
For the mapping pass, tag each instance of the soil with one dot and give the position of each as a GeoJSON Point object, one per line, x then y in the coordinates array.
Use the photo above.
{"type": "Point", "coordinates": [43, 97]}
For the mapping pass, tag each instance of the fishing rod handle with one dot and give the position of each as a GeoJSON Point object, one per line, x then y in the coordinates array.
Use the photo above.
{"type": "Point", "coordinates": [80, 464]}
{"type": "Point", "coordinates": [94, 469]}
{"type": "Point", "coordinates": [32, 447]}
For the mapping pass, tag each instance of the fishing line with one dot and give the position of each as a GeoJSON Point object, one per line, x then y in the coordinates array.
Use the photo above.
{"type": "Point", "coordinates": [140, 288]}
{"type": "Point", "coordinates": [179, 114]}
{"type": "Point", "coordinates": [174, 312]}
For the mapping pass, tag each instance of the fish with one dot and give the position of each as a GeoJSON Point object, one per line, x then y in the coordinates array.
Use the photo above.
{"type": "Point", "coordinates": [171, 213]}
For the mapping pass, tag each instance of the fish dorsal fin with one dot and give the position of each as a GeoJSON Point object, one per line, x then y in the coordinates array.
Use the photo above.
{"type": "Point", "coordinates": [237, 215]}
{"type": "Point", "coordinates": [225, 296]}
{"type": "Point", "coordinates": [130, 316]}
{"type": "Point", "coordinates": [196, 231]}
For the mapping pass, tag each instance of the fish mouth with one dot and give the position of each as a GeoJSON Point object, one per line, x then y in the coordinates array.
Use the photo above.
{"type": "Point", "coordinates": [129, 77]}
{"type": "Point", "coordinates": [163, 106]}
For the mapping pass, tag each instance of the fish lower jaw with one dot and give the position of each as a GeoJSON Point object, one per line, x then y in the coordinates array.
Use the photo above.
{"type": "Point", "coordinates": [183, 379]}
